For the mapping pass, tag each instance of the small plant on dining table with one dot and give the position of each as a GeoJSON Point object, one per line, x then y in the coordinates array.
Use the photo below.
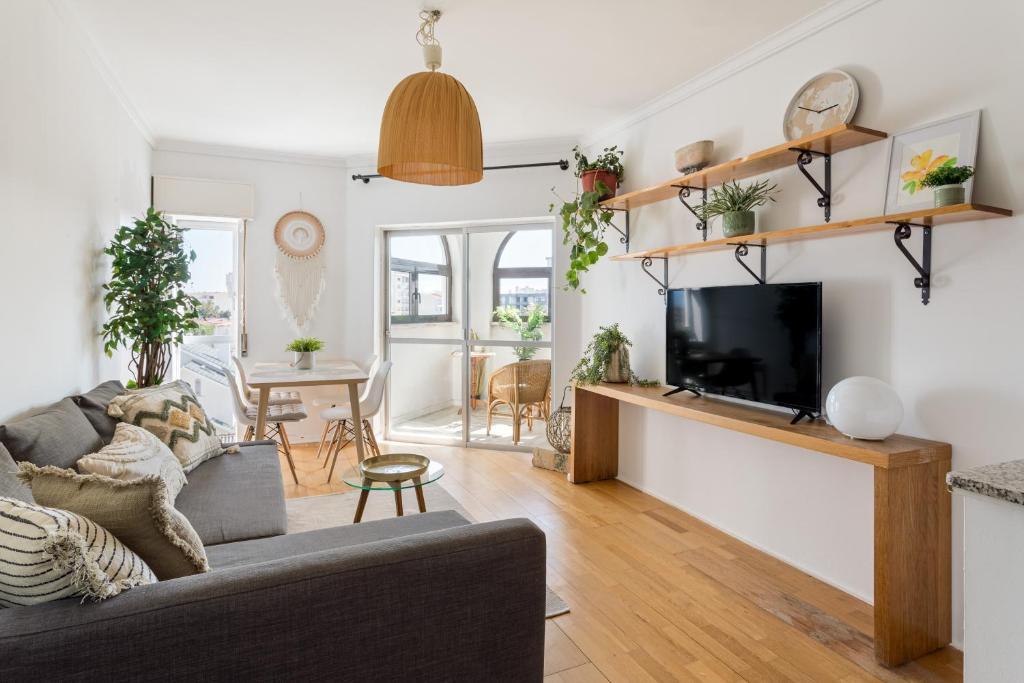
{"type": "Point", "coordinates": [306, 345]}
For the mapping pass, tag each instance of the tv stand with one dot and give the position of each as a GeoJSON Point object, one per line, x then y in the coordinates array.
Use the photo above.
{"type": "Point", "coordinates": [681, 389]}
{"type": "Point", "coordinates": [801, 415]}
{"type": "Point", "coordinates": [912, 514]}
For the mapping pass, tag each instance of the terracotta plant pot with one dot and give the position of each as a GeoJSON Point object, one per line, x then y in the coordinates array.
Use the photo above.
{"type": "Point", "coordinates": [590, 178]}
{"type": "Point", "coordinates": [948, 195]}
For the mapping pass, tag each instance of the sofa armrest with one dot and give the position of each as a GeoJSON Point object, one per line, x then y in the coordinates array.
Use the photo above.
{"type": "Point", "coordinates": [460, 604]}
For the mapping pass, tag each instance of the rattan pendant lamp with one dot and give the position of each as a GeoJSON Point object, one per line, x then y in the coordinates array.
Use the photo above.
{"type": "Point", "coordinates": [430, 131]}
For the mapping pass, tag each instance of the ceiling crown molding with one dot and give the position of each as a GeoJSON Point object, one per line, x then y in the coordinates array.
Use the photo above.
{"type": "Point", "coordinates": [248, 153]}
{"type": "Point", "coordinates": [66, 13]}
{"type": "Point", "coordinates": [813, 23]}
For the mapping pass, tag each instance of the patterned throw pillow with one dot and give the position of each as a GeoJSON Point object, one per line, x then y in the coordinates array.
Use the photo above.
{"type": "Point", "coordinates": [47, 554]}
{"type": "Point", "coordinates": [171, 413]}
{"type": "Point", "coordinates": [134, 453]}
{"type": "Point", "coordinates": [138, 512]}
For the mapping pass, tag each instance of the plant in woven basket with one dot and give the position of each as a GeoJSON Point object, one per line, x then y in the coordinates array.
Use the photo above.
{"type": "Point", "coordinates": [608, 345]}
{"type": "Point", "coordinates": [527, 326]}
{"type": "Point", "coordinates": [150, 310]}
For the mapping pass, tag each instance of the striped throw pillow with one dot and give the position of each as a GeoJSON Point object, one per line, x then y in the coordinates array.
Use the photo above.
{"type": "Point", "coordinates": [47, 554]}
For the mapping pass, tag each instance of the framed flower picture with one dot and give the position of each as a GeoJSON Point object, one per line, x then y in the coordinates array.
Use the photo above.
{"type": "Point", "coordinates": [914, 153]}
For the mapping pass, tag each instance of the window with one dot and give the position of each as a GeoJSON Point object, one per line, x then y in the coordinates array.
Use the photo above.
{"type": "Point", "coordinates": [421, 279]}
{"type": "Point", "coordinates": [522, 270]}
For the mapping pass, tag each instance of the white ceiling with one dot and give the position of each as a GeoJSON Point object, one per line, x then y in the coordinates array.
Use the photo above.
{"type": "Point", "coordinates": [312, 76]}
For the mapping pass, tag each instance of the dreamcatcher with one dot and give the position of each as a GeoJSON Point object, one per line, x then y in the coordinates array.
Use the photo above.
{"type": "Point", "coordinates": [299, 267]}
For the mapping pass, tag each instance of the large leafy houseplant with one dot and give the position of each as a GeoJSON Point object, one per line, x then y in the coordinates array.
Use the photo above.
{"type": "Point", "coordinates": [609, 348]}
{"type": "Point", "coordinates": [527, 326]}
{"type": "Point", "coordinates": [150, 310]}
{"type": "Point", "coordinates": [584, 220]}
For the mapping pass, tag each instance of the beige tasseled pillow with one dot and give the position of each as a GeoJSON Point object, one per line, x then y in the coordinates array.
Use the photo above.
{"type": "Point", "coordinates": [134, 453]}
{"type": "Point", "coordinates": [138, 512]}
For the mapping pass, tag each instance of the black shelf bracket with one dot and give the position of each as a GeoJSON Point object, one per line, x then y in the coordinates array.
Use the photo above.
{"type": "Point", "coordinates": [684, 193]}
{"type": "Point", "coordinates": [803, 159]}
{"type": "Point", "coordinates": [742, 250]}
{"type": "Point", "coordinates": [625, 235]}
{"type": "Point", "coordinates": [647, 262]}
{"type": "Point", "coordinates": [924, 268]}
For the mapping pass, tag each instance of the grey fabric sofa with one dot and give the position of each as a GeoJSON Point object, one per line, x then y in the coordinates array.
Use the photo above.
{"type": "Point", "coordinates": [428, 597]}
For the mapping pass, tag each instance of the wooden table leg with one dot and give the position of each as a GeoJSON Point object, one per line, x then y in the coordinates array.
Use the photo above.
{"type": "Point", "coordinates": [261, 413]}
{"type": "Point", "coordinates": [397, 487]}
{"type": "Point", "coordinates": [419, 494]}
{"type": "Point", "coordinates": [913, 565]}
{"type": "Point", "coordinates": [363, 495]}
{"type": "Point", "coordinates": [595, 437]}
{"type": "Point", "coordinates": [357, 421]}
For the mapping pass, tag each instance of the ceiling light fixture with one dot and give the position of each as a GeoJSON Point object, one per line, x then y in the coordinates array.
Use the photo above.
{"type": "Point", "coordinates": [430, 131]}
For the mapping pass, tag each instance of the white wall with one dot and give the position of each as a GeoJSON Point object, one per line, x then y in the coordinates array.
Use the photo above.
{"type": "Point", "coordinates": [954, 362]}
{"type": "Point", "coordinates": [73, 167]}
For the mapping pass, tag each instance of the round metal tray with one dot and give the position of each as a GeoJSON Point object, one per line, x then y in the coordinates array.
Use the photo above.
{"type": "Point", "coordinates": [394, 466]}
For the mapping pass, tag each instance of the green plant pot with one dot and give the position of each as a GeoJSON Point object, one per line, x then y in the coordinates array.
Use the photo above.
{"type": "Point", "coordinates": [736, 223]}
{"type": "Point", "coordinates": [948, 195]}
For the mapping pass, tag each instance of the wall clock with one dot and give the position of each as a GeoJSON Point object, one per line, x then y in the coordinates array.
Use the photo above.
{"type": "Point", "coordinates": [827, 100]}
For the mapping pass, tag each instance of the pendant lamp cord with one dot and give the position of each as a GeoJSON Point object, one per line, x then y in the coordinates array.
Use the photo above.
{"type": "Point", "coordinates": [428, 19]}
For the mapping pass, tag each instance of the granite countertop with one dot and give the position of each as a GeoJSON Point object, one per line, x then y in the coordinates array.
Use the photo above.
{"type": "Point", "coordinates": [1004, 481]}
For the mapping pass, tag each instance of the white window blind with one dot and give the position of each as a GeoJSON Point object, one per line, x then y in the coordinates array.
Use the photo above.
{"type": "Point", "coordinates": [202, 197]}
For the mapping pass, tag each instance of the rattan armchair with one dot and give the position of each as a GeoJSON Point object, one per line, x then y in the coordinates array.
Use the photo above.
{"type": "Point", "coordinates": [525, 388]}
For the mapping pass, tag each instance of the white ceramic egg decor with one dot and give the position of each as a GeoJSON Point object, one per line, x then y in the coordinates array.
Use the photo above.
{"type": "Point", "coordinates": [864, 408]}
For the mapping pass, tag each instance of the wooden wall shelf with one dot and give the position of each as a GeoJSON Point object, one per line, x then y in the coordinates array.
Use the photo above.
{"type": "Point", "coordinates": [912, 515]}
{"type": "Point", "coordinates": [934, 217]}
{"type": "Point", "coordinates": [828, 141]}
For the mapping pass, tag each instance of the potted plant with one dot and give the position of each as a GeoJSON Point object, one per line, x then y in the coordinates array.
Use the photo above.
{"type": "Point", "coordinates": [948, 184]}
{"type": "Point", "coordinates": [606, 359]}
{"type": "Point", "coordinates": [735, 204]}
{"type": "Point", "coordinates": [146, 294]}
{"type": "Point", "coordinates": [584, 220]}
{"type": "Point", "coordinates": [602, 175]}
{"type": "Point", "coordinates": [528, 326]}
{"type": "Point", "coordinates": [305, 349]}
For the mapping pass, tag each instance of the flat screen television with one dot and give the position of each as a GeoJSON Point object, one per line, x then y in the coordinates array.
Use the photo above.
{"type": "Point", "coordinates": [760, 343]}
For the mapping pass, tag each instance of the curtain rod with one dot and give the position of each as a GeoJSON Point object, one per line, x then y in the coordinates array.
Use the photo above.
{"type": "Point", "coordinates": [561, 163]}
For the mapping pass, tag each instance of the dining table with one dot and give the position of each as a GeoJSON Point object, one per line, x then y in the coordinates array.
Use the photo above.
{"type": "Point", "coordinates": [268, 376]}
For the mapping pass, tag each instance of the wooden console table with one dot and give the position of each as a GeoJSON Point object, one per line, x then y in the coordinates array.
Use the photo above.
{"type": "Point", "coordinates": [913, 565]}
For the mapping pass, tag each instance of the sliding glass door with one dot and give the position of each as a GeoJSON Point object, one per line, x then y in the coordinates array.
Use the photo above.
{"type": "Point", "coordinates": [469, 328]}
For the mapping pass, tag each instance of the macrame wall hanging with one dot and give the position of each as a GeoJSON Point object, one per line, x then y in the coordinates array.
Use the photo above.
{"type": "Point", "coordinates": [299, 268]}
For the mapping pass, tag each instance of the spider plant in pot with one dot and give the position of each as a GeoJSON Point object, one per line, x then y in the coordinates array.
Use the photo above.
{"type": "Point", "coordinates": [603, 174]}
{"type": "Point", "coordinates": [736, 203]}
{"type": "Point", "coordinates": [527, 325]}
{"type": "Point", "coordinates": [606, 359]}
{"type": "Point", "coordinates": [305, 349]}
{"type": "Point", "coordinates": [947, 183]}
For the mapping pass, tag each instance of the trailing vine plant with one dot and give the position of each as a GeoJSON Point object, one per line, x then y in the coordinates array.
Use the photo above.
{"type": "Point", "coordinates": [150, 310]}
{"type": "Point", "coordinates": [593, 365]}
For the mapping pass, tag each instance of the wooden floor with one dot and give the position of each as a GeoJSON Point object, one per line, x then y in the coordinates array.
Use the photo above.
{"type": "Point", "coordinates": [655, 594]}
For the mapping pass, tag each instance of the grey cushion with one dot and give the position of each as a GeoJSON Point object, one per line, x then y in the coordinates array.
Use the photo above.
{"type": "Point", "coordinates": [56, 435]}
{"type": "Point", "coordinates": [242, 553]}
{"type": "Point", "coordinates": [10, 485]}
{"type": "Point", "coordinates": [236, 496]}
{"type": "Point", "coordinates": [93, 405]}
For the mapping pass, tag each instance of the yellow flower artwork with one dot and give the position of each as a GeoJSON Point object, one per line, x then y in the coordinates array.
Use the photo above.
{"type": "Point", "coordinates": [921, 165]}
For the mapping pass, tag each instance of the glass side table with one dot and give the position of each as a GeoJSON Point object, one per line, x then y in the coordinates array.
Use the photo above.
{"type": "Point", "coordinates": [353, 476]}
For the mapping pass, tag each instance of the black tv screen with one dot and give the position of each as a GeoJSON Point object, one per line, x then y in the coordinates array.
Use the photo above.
{"type": "Point", "coordinates": [760, 343]}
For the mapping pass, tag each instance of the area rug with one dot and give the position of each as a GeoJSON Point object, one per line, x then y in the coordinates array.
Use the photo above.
{"type": "Point", "coordinates": [319, 512]}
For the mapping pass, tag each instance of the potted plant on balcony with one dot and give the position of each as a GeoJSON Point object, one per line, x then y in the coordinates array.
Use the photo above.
{"type": "Point", "coordinates": [606, 359]}
{"type": "Point", "coordinates": [735, 204]}
{"type": "Point", "coordinates": [528, 326]}
{"type": "Point", "coordinates": [584, 220]}
{"type": "Point", "coordinates": [305, 349]}
{"type": "Point", "coordinates": [150, 310]}
{"type": "Point", "coordinates": [947, 183]}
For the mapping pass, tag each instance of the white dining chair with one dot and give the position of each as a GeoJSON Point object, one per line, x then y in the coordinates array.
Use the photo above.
{"type": "Point", "coordinates": [367, 365]}
{"type": "Point", "coordinates": [277, 398]}
{"type": "Point", "coordinates": [340, 417]}
{"type": "Point", "coordinates": [277, 416]}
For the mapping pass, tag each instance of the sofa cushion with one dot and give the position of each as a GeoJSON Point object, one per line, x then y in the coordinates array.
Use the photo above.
{"type": "Point", "coordinates": [49, 553]}
{"type": "Point", "coordinates": [93, 405]}
{"type": "Point", "coordinates": [138, 512]}
{"type": "Point", "coordinates": [57, 435]}
{"type": "Point", "coordinates": [134, 453]}
{"type": "Point", "coordinates": [10, 485]}
{"type": "Point", "coordinates": [243, 553]}
{"type": "Point", "coordinates": [237, 496]}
